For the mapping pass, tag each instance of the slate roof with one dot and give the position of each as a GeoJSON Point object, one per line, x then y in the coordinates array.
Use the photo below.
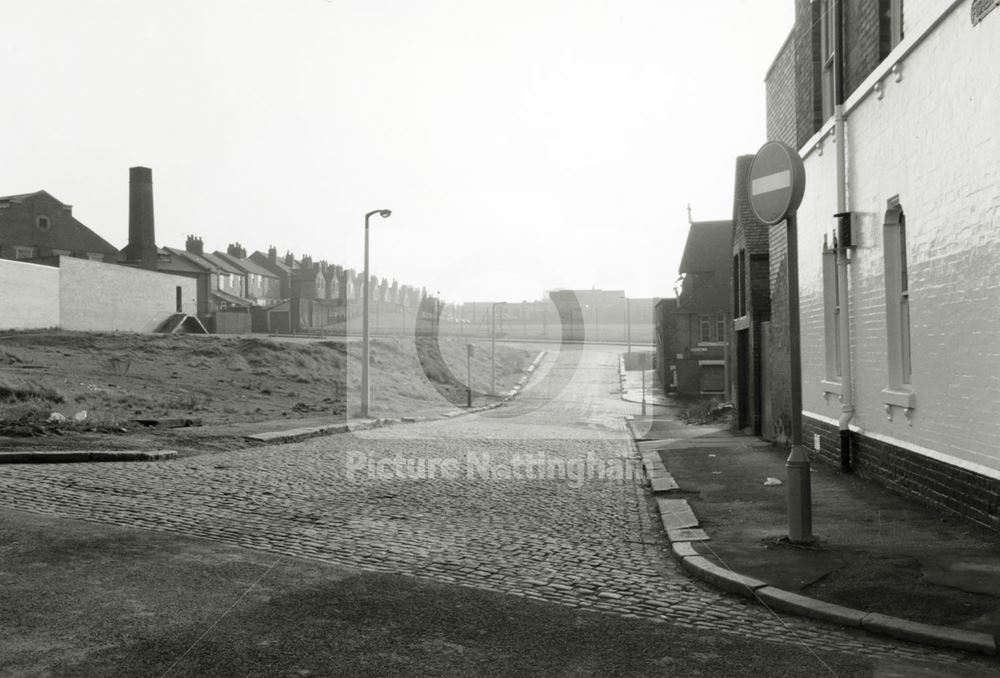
{"type": "Point", "coordinates": [708, 247]}
{"type": "Point", "coordinates": [247, 265]}
{"type": "Point", "coordinates": [192, 257]}
{"type": "Point", "coordinates": [178, 262]}
{"type": "Point", "coordinates": [220, 263]}
{"type": "Point", "coordinates": [279, 263]}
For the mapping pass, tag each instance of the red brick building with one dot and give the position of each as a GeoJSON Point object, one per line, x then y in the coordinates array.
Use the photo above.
{"type": "Point", "coordinates": [36, 225]}
{"type": "Point", "coordinates": [694, 334]}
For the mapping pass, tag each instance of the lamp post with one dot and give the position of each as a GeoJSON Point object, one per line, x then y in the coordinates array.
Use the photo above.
{"type": "Point", "coordinates": [493, 347]}
{"type": "Point", "coordinates": [365, 328]}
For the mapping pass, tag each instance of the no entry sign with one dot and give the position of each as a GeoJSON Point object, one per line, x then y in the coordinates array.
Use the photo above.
{"type": "Point", "coordinates": [777, 181]}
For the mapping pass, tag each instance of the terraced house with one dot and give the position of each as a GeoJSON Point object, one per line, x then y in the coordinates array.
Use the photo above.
{"type": "Point", "coordinates": [894, 109]}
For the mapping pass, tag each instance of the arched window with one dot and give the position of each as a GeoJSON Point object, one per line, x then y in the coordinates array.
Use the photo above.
{"type": "Point", "coordinates": [43, 223]}
{"type": "Point", "coordinates": [831, 313]}
{"type": "Point", "coordinates": [897, 295]}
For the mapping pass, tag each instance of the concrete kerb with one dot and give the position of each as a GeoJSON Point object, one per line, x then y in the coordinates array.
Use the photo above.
{"type": "Point", "coordinates": [80, 456]}
{"type": "Point", "coordinates": [681, 539]}
{"type": "Point", "coordinates": [299, 434]}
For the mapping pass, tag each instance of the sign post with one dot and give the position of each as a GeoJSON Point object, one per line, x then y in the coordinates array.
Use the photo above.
{"type": "Point", "coordinates": [777, 183]}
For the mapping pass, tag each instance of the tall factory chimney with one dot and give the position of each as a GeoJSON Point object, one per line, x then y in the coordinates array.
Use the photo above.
{"type": "Point", "coordinates": [141, 246]}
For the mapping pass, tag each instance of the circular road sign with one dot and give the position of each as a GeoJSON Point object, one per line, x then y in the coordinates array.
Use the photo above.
{"type": "Point", "coordinates": [777, 181]}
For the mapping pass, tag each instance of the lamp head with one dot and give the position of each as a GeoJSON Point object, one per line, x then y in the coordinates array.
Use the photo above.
{"type": "Point", "coordinates": [385, 213]}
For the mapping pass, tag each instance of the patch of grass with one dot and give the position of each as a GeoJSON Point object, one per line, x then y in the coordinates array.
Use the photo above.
{"type": "Point", "coordinates": [19, 390]}
{"type": "Point", "coordinates": [26, 411]}
{"type": "Point", "coordinates": [11, 358]}
{"type": "Point", "coordinates": [228, 379]}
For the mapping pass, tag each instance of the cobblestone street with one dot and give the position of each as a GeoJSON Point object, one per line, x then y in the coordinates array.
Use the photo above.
{"type": "Point", "coordinates": [537, 499]}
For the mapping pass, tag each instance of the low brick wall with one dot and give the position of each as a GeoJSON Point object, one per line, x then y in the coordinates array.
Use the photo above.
{"type": "Point", "coordinates": [953, 489]}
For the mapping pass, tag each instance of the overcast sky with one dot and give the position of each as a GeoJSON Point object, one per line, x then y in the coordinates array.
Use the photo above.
{"type": "Point", "coordinates": [521, 145]}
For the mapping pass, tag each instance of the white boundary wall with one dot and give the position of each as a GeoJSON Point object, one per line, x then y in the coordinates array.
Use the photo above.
{"type": "Point", "coordinates": [29, 296]}
{"type": "Point", "coordinates": [90, 296]}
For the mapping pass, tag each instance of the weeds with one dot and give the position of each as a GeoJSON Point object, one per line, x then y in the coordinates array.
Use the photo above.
{"type": "Point", "coordinates": [707, 412]}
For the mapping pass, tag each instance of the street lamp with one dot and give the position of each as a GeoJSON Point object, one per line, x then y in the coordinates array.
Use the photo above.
{"type": "Point", "coordinates": [493, 348]}
{"type": "Point", "coordinates": [365, 328]}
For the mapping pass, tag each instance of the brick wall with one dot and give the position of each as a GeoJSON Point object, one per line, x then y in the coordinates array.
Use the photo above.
{"type": "Point", "coordinates": [752, 236]}
{"type": "Point", "coordinates": [18, 226]}
{"type": "Point", "coordinates": [29, 297]}
{"type": "Point", "coordinates": [94, 296]}
{"type": "Point", "coordinates": [778, 361]}
{"type": "Point", "coordinates": [958, 491]}
{"type": "Point", "coordinates": [808, 97]}
{"type": "Point", "coordinates": [865, 29]}
{"type": "Point", "coordinates": [779, 85]}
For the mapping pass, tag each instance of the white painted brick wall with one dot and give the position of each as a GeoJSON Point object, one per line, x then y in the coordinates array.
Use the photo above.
{"type": "Point", "coordinates": [933, 139]}
{"type": "Point", "coordinates": [29, 296]}
{"type": "Point", "coordinates": [103, 297]}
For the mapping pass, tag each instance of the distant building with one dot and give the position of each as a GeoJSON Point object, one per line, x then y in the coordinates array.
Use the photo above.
{"type": "Point", "coordinates": [693, 335]}
{"type": "Point", "coordinates": [226, 290]}
{"type": "Point", "coordinates": [280, 267]}
{"type": "Point", "coordinates": [174, 261]}
{"type": "Point", "coordinates": [36, 225]}
{"type": "Point", "coordinates": [260, 286]}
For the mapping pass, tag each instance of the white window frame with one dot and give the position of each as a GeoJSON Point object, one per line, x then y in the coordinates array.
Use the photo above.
{"type": "Point", "coordinates": [831, 317]}
{"type": "Point", "coordinates": [22, 252]}
{"type": "Point", "coordinates": [703, 321]}
{"type": "Point", "coordinates": [827, 56]}
{"type": "Point", "coordinates": [899, 392]}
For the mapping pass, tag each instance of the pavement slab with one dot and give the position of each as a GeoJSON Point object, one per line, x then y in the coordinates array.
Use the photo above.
{"type": "Point", "coordinates": [901, 566]}
{"type": "Point", "coordinates": [676, 514]}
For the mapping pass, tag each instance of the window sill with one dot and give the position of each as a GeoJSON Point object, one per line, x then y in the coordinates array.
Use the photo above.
{"type": "Point", "coordinates": [895, 397]}
{"type": "Point", "coordinates": [831, 387]}
{"type": "Point", "coordinates": [898, 397]}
